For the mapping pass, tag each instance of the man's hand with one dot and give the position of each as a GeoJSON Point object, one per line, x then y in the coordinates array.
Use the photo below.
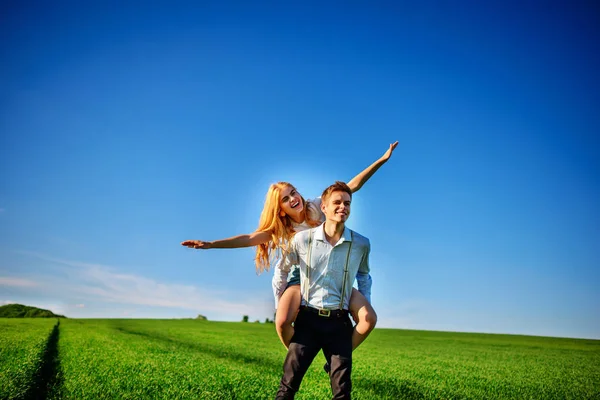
{"type": "Point", "coordinates": [196, 244]}
{"type": "Point", "coordinates": [389, 151]}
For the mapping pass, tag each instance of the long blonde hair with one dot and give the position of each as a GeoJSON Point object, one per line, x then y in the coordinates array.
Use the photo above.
{"type": "Point", "coordinates": [279, 225]}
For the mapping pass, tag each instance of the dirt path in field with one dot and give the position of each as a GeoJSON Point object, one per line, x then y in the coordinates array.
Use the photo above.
{"type": "Point", "coordinates": [48, 380]}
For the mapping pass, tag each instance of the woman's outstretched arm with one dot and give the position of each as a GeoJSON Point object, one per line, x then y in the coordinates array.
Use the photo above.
{"type": "Point", "coordinates": [249, 240]}
{"type": "Point", "coordinates": [356, 183]}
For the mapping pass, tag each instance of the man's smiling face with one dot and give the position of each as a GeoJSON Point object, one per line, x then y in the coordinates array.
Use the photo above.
{"type": "Point", "coordinates": [337, 206]}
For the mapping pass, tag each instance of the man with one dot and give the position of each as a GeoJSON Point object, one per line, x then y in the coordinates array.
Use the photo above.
{"type": "Point", "coordinates": [330, 256]}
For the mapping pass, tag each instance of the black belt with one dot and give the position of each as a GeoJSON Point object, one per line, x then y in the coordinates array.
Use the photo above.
{"type": "Point", "coordinates": [326, 313]}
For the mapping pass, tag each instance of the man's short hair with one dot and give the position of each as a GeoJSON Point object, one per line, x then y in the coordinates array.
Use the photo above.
{"type": "Point", "coordinates": [338, 186]}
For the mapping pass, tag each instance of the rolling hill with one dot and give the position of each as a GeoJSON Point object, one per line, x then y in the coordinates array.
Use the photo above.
{"type": "Point", "coordinates": [21, 311]}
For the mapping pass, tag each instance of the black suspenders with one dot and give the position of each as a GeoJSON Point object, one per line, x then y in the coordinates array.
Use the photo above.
{"type": "Point", "coordinates": [308, 263]}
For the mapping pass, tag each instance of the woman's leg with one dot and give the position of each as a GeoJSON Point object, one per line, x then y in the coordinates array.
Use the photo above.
{"type": "Point", "coordinates": [364, 316]}
{"type": "Point", "coordinates": [288, 306]}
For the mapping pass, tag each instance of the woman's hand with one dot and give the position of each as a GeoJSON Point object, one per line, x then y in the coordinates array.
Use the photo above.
{"type": "Point", "coordinates": [386, 156]}
{"type": "Point", "coordinates": [359, 180]}
{"type": "Point", "coordinates": [196, 244]}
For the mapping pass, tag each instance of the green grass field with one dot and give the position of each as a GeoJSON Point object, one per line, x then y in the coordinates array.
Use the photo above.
{"type": "Point", "coordinates": [187, 359]}
{"type": "Point", "coordinates": [23, 344]}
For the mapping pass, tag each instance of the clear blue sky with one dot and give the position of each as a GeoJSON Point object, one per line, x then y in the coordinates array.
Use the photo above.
{"type": "Point", "coordinates": [126, 129]}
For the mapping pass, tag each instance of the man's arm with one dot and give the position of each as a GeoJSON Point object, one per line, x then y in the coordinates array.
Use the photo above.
{"type": "Point", "coordinates": [363, 278]}
{"type": "Point", "coordinates": [356, 183]}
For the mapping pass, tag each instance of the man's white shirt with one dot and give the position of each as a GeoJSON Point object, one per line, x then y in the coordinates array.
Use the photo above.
{"type": "Point", "coordinates": [323, 277]}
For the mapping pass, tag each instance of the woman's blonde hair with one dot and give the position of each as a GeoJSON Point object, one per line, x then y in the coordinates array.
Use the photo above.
{"type": "Point", "coordinates": [279, 225]}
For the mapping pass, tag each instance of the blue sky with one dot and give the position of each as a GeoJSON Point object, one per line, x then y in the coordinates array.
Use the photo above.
{"type": "Point", "coordinates": [126, 129]}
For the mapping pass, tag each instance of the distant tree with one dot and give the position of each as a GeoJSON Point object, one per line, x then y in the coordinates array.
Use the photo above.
{"type": "Point", "coordinates": [245, 318]}
{"type": "Point", "coordinates": [268, 321]}
{"type": "Point", "coordinates": [257, 322]}
{"type": "Point", "coordinates": [201, 317]}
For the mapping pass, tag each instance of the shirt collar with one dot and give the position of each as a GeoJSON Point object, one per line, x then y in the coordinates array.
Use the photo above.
{"type": "Point", "coordinates": [320, 234]}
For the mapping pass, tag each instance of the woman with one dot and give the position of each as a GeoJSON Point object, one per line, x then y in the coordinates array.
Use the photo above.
{"type": "Point", "coordinates": [286, 212]}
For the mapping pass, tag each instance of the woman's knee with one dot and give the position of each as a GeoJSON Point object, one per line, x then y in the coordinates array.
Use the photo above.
{"type": "Point", "coordinates": [362, 311]}
{"type": "Point", "coordinates": [370, 317]}
{"type": "Point", "coordinates": [284, 319]}
{"type": "Point", "coordinates": [366, 317]}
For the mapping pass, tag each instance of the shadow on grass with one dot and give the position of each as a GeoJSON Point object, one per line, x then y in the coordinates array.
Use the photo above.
{"type": "Point", "coordinates": [47, 382]}
{"type": "Point", "coordinates": [213, 351]}
{"type": "Point", "coordinates": [384, 389]}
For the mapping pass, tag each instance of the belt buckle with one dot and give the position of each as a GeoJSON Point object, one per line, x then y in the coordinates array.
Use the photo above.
{"type": "Point", "coordinates": [324, 313]}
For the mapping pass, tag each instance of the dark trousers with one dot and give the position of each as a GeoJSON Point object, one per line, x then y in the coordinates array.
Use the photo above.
{"type": "Point", "coordinates": [312, 333]}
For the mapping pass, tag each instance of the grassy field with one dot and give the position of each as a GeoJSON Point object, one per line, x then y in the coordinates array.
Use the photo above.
{"type": "Point", "coordinates": [187, 359]}
{"type": "Point", "coordinates": [23, 344]}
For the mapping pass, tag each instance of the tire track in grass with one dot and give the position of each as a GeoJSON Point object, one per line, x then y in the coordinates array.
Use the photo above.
{"type": "Point", "coordinates": [47, 381]}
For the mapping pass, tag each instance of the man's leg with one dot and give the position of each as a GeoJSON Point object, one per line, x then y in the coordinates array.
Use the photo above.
{"type": "Point", "coordinates": [301, 352]}
{"type": "Point", "coordinates": [365, 318]}
{"type": "Point", "coordinates": [338, 352]}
